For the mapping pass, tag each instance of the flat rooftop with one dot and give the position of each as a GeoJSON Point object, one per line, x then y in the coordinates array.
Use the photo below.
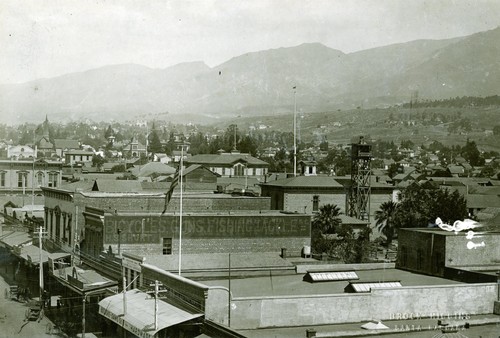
{"type": "Point", "coordinates": [293, 285]}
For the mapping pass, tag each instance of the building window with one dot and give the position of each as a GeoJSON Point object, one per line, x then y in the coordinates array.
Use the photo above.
{"type": "Point", "coordinates": [239, 170]}
{"type": "Point", "coordinates": [53, 180]}
{"type": "Point", "coordinates": [315, 203]}
{"type": "Point", "coordinates": [2, 179]}
{"type": "Point", "coordinates": [21, 183]}
{"type": "Point", "coordinates": [39, 177]}
{"type": "Point", "coordinates": [167, 246]}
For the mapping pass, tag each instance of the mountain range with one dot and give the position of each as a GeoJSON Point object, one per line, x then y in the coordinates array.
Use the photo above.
{"type": "Point", "coordinates": [260, 83]}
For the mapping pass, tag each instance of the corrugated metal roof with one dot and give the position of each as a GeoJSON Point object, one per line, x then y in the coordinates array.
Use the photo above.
{"type": "Point", "coordinates": [16, 238]}
{"type": "Point", "coordinates": [140, 315]}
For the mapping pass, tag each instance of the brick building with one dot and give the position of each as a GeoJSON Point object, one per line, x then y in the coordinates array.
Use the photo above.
{"type": "Point", "coordinates": [309, 193]}
{"type": "Point", "coordinates": [150, 233]}
{"type": "Point", "coordinates": [64, 206]}
{"type": "Point", "coordinates": [304, 193]}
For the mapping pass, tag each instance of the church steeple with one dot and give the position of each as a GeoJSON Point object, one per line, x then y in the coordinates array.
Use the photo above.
{"type": "Point", "coordinates": [45, 127]}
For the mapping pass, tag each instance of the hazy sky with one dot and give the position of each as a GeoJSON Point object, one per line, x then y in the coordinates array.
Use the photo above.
{"type": "Point", "coordinates": [52, 37]}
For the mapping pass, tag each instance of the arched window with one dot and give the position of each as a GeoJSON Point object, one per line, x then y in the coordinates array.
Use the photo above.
{"type": "Point", "coordinates": [39, 178]}
{"type": "Point", "coordinates": [239, 170]}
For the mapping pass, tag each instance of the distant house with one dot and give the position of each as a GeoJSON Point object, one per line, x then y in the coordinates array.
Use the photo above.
{"type": "Point", "coordinates": [177, 154]}
{"type": "Point", "coordinates": [456, 170]}
{"type": "Point", "coordinates": [162, 158]}
{"type": "Point", "coordinates": [62, 146]}
{"type": "Point", "coordinates": [232, 164]}
{"type": "Point", "coordinates": [152, 170]}
{"type": "Point", "coordinates": [135, 149]}
{"type": "Point", "coordinates": [73, 157]}
{"type": "Point", "coordinates": [20, 152]}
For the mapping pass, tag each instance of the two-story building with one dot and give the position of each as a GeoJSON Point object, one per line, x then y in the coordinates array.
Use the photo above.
{"type": "Point", "coordinates": [28, 175]}
{"type": "Point", "coordinates": [73, 157]}
{"type": "Point", "coordinates": [232, 164]}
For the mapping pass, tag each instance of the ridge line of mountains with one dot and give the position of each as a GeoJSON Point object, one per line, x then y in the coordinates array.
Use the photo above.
{"type": "Point", "coordinates": [260, 83]}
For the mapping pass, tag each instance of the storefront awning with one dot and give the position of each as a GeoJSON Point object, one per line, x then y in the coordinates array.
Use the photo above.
{"type": "Point", "coordinates": [15, 238]}
{"type": "Point", "coordinates": [140, 315]}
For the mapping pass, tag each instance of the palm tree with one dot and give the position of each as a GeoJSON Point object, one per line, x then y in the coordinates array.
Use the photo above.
{"type": "Point", "coordinates": [385, 220]}
{"type": "Point", "coordinates": [327, 220]}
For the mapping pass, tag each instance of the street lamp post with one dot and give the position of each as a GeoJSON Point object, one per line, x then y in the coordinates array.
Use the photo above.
{"type": "Point", "coordinates": [119, 232]}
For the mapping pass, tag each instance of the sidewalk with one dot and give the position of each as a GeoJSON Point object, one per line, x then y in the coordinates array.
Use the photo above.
{"type": "Point", "coordinates": [428, 327]}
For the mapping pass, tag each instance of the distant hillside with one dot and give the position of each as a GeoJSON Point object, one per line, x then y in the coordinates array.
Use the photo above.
{"type": "Point", "coordinates": [261, 83]}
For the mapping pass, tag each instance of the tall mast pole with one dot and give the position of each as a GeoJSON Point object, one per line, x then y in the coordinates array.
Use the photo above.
{"type": "Point", "coordinates": [295, 131]}
{"type": "Point", "coordinates": [180, 209]}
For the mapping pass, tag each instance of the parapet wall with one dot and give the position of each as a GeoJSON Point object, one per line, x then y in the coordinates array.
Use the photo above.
{"type": "Point", "coordinates": [380, 304]}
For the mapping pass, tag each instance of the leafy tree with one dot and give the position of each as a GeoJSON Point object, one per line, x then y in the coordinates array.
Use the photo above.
{"type": "Point", "coordinates": [420, 207]}
{"type": "Point", "coordinates": [472, 154]}
{"type": "Point", "coordinates": [109, 132]}
{"type": "Point", "coordinates": [98, 161]}
{"type": "Point", "coordinates": [348, 246]}
{"type": "Point", "coordinates": [119, 168]}
{"type": "Point", "coordinates": [248, 145]}
{"type": "Point", "coordinates": [231, 137]}
{"type": "Point", "coordinates": [323, 146]}
{"type": "Point", "coordinates": [154, 143]}
{"type": "Point", "coordinates": [394, 169]}
{"type": "Point", "coordinates": [407, 144]}
{"type": "Point", "coordinates": [385, 220]}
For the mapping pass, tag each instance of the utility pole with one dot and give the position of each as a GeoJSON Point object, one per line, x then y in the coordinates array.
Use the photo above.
{"type": "Point", "coordinates": [40, 234]}
{"type": "Point", "coordinates": [180, 209]}
{"type": "Point", "coordinates": [124, 295]}
{"type": "Point", "coordinates": [156, 294]}
{"type": "Point", "coordinates": [229, 291]}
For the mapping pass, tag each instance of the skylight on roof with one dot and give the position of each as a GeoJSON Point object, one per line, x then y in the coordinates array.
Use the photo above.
{"type": "Point", "coordinates": [367, 286]}
{"type": "Point", "coordinates": [329, 276]}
